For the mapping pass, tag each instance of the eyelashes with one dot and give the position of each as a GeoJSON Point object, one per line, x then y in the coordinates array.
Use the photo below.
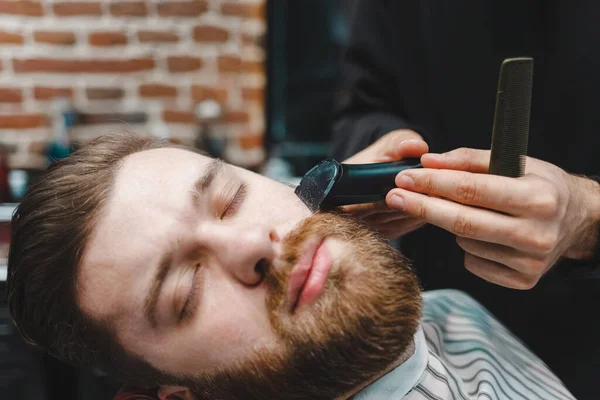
{"type": "Point", "coordinates": [191, 301]}
{"type": "Point", "coordinates": [236, 201]}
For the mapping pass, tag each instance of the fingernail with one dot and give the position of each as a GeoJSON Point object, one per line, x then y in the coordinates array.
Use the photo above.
{"type": "Point", "coordinates": [405, 181]}
{"type": "Point", "coordinates": [397, 202]}
{"type": "Point", "coordinates": [410, 141]}
{"type": "Point", "coordinates": [436, 156]}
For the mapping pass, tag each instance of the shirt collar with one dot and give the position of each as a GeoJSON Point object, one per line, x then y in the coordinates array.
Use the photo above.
{"type": "Point", "coordinates": [398, 382]}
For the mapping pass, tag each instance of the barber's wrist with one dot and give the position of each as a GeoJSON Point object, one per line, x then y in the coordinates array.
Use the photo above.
{"type": "Point", "coordinates": [586, 244]}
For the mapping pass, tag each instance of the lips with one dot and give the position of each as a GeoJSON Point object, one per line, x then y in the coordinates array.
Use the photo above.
{"type": "Point", "coordinates": [309, 274]}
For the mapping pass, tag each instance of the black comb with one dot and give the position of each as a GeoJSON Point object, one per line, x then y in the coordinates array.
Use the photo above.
{"type": "Point", "coordinates": [510, 133]}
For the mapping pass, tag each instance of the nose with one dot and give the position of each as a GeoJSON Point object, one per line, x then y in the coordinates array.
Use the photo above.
{"type": "Point", "coordinates": [243, 252]}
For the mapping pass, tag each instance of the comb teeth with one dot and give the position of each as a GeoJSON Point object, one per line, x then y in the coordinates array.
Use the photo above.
{"type": "Point", "coordinates": [510, 134]}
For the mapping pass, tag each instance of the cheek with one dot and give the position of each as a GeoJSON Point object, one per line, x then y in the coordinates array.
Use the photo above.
{"type": "Point", "coordinates": [282, 204]}
{"type": "Point", "coordinates": [234, 322]}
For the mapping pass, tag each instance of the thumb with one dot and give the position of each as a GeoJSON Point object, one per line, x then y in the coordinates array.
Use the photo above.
{"type": "Point", "coordinates": [405, 146]}
{"type": "Point", "coordinates": [393, 146]}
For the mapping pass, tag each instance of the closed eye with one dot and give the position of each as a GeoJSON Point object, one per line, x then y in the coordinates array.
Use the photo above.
{"type": "Point", "coordinates": [191, 301]}
{"type": "Point", "coordinates": [236, 201]}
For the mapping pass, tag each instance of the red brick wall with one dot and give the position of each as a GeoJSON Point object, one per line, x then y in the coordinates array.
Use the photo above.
{"type": "Point", "coordinates": [121, 59]}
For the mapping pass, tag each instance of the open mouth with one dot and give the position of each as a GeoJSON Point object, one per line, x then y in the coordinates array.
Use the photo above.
{"type": "Point", "coordinates": [309, 275]}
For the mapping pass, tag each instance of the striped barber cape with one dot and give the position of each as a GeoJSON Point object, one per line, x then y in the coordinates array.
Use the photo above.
{"type": "Point", "coordinates": [461, 353]}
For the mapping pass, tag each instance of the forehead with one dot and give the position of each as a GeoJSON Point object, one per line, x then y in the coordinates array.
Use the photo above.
{"type": "Point", "coordinates": [168, 168]}
{"type": "Point", "coordinates": [141, 214]}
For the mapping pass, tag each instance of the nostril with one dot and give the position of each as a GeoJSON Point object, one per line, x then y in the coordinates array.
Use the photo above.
{"type": "Point", "coordinates": [261, 268]}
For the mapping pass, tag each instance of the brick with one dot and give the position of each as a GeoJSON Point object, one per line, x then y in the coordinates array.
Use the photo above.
{"type": "Point", "coordinates": [99, 66]}
{"type": "Point", "coordinates": [202, 93]}
{"type": "Point", "coordinates": [251, 141]}
{"type": "Point", "coordinates": [49, 93]}
{"type": "Point", "coordinates": [11, 95]}
{"type": "Point", "coordinates": [105, 93]}
{"type": "Point", "coordinates": [112, 118]}
{"type": "Point", "coordinates": [184, 64]}
{"type": "Point", "coordinates": [103, 39]}
{"type": "Point", "coordinates": [253, 94]}
{"type": "Point", "coordinates": [157, 90]}
{"type": "Point", "coordinates": [245, 10]}
{"type": "Point", "coordinates": [182, 8]}
{"type": "Point", "coordinates": [235, 117]}
{"type": "Point", "coordinates": [253, 40]}
{"type": "Point", "coordinates": [38, 147]}
{"type": "Point", "coordinates": [179, 117]}
{"type": "Point", "coordinates": [229, 63]}
{"type": "Point", "coordinates": [59, 38]}
{"type": "Point", "coordinates": [253, 67]}
{"type": "Point", "coordinates": [22, 7]}
{"type": "Point", "coordinates": [207, 33]}
{"type": "Point", "coordinates": [11, 38]}
{"type": "Point", "coordinates": [157, 37]}
{"type": "Point", "coordinates": [76, 9]}
{"type": "Point", "coordinates": [129, 9]}
{"type": "Point", "coordinates": [22, 121]}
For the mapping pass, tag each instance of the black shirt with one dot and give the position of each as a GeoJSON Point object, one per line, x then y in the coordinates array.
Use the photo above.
{"type": "Point", "coordinates": [432, 66]}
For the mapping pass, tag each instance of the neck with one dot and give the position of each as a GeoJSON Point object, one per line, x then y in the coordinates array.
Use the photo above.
{"type": "Point", "coordinates": [410, 350]}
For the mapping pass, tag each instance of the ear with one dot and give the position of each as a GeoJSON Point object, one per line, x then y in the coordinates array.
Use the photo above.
{"type": "Point", "coordinates": [175, 393]}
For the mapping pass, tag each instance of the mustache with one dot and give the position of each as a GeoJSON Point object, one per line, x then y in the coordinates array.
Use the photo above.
{"type": "Point", "coordinates": [324, 224]}
{"type": "Point", "coordinates": [319, 225]}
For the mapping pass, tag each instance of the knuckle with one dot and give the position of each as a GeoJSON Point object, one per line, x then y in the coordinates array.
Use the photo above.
{"type": "Point", "coordinates": [463, 156]}
{"type": "Point", "coordinates": [463, 151]}
{"type": "Point", "coordinates": [421, 210]}
{"type": "Point", "coordinates": [470, 262]}
{"type": "Point", "coordinates": [533, 266]}
{"type": "Point", "coordinates": [427, 184]}
{"type": "Point", "coordinates": [534, 241]}
{"type": "Point", "coordinates": [545, 243]}
{"type": "Point", "coordinates": [463, 227]}
{"type": "Point", "coordinates": [546, 204]}
{"type": "Point", "coordinates": [526, 282]}
{"type": "Point", "coordinates": [467, 191]}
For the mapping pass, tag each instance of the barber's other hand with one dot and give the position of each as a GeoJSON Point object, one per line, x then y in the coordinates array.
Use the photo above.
{"type": "Point", "coordinates": [512, 229]}
{"type": "Point", "coordinates": [394, 146]}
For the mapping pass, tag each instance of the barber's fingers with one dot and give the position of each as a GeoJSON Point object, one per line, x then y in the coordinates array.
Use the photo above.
{"type": "Point", "coordinates": [499, 274]}
{"type": "Point", "coordinates": [394, 145]}
{"type": "Point", "coordinates": [528, 264]}
{"type": "Point", "coordinates": [463, 159]}
{"type": "Point", "coordinates": [387, 218]}
{"type": "Point", "coordinates": [398, 228]}
{"type": "Point", "coordinates": [403, 148]}
{"type": "Point", "coordinates": [526, 196]}
{"type": "Point", "coordinates": [466, 221]}
{"type": "Point", "coordinates": [368, 209]}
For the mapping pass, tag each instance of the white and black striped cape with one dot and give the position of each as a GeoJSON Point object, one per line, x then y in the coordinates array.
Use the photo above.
{"type": "Point", "coordinates": [461, 353]}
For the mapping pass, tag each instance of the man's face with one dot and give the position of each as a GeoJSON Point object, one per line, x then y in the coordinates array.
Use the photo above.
{"type": "Point", "coordinates": [223, 279]}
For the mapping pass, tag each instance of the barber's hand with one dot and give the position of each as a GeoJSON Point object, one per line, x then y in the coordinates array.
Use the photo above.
{"type": "Point", "coordinates": [394, 146]}
{"type": "Point", "coordinates": [512, 229]}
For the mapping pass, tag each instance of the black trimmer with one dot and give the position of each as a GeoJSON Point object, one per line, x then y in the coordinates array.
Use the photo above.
{"type": "Point", "coordinates": [330, 183]}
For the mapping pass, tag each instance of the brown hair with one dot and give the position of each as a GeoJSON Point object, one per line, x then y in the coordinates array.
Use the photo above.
{"type": "Point", "coordinates": [50, 229]}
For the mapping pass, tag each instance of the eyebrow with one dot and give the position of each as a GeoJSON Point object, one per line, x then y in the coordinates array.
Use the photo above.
{"type": "Point", "coordinates": [214, 169]}
{"type": "Point", "coordinates": [159, 279]}
{"type": "Point", "coordinates": [201, 185]}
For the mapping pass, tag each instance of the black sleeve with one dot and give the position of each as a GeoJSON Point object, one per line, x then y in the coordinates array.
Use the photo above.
{"type": "Point", "coordinates": [371, 103]}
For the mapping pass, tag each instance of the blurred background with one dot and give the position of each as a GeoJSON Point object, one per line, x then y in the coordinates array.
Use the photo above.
{"type": "Point", "coordinates": [250, 81]}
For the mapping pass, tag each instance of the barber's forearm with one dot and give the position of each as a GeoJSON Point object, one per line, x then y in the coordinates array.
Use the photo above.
{"type": "Point", "coordinates": [585, 246]}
